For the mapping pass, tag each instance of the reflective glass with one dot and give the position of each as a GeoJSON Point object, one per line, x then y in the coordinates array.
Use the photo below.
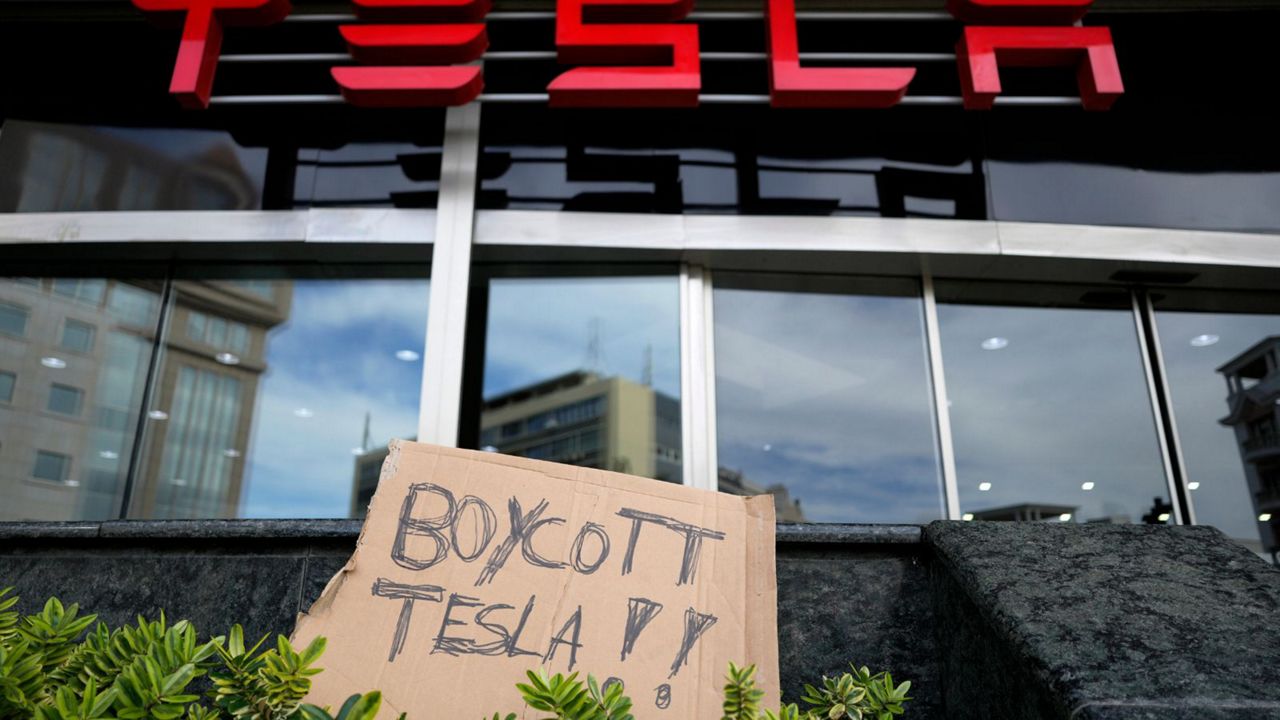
{"type": "Point", "coordinates": [50, 167]}
{"type": "Point", "coordinates": [368, 174]}
{"type": "Point", "coordinates": [70, 417]}
{"type": "Point", "coordinates": [585, 371]}
{"type": "Point", "coordinates": [77, 336]}
{"type": "Point", "coordinates": [822, 398]}
{"type": "Point", "coordinates": [1224, 384]}
{"type": "Point", "coordinates": [283, 424]}
{"type": "Point", "coordinates": [1050, 414]}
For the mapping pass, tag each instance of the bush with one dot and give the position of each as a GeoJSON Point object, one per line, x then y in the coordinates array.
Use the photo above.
{"type": "Point", "coordinates": [146, 671]}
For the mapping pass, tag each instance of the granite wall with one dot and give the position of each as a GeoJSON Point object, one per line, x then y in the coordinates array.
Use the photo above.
{"type": "Point", "coordinates": [989, 620]}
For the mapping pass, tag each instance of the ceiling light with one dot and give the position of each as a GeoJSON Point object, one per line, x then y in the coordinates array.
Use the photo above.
{"type": "Point", "coordinates": [995, 343]}
{"type": "Point", "coordinates": [180, 482]}
{"type": "Point", "coordinates": [231, 453]}
{"type": "Point", "coordinates": [158, 415]}
{"type": "Point", "coordinates": [489, 448]}
{"type": "Point", "coordinates": [1086, 486]}
{"type": "Point", "coordinates": [1204, 340]}
{"type": "Point", "coordinates": [303, 413]}
{"type": "Point", "coordinates": [767, 447]}
{"type": "Point", "coordinates": [984, 486]}
{"type": "Point", "coordinates": [53, 362]}
{"type": "Point", "coordinates": [1164, 517]}
{"type": "Point", "coordinates": [1065, 517]}
{"type": "Point", "coordinates": [407, 355]}
{"type": "Point", "coordinates": [1264, 517]}
{"type": "Point", "coordinates": [108, 455]}
{"type": "Point", "coordinates": [72, 483]}
{"type": "Point", "coordinates": [967, 517]}
{"type": "Point", "coordinates": [227, 358]}
{"type": "Point", "coordinates": [357, 451]}
{"type": "Point", "coordinates": [1193, 486]}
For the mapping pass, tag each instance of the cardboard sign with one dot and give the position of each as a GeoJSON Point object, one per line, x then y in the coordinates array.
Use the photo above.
{"type": "Point", "coordinates": [475, 567]}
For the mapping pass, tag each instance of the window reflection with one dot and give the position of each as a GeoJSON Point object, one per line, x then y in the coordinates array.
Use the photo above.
{"type": "Point", "coordinates": [368, 174]}
{"type": "Point", "coordinates": [273, 399]}
{"type": "Point", "coordinates": [823, 398]}
{"type": "Point", "coordinates": [585, 371]}
{"type": "Point", "coordinates": [1049, 410]}
{"type": "Point", "coordinates": [1224, 384]}
{"type": "Point", "coordinates": [72, 370]}
{"type": "Point", "coordinates": [55, 168]}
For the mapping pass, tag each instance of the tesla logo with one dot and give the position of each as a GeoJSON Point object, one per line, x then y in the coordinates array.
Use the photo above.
{"type": "Point", "coordinates": [638, 53]}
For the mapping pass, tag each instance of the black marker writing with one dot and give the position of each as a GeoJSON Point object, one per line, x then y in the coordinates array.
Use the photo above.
{"type": "Point", "coordinates": [520, 522]}
{"type": "Point", "coordinates": [411, 526]}
{"type": "Point", "coordinates": [575, 552]}
{"type": "Point", "coordinates": [383, 587]}
{"type": "Point", "coordinates": [454, 645]}
{"type": "Point", "coordinates": [640, 612]}
{"type": "Point", "coordinates": [663, 699]}
{"type": "Point", "coordinates": [574, 621]}
{"type": "Point", "coordinates": [526, 547]}
{"type": "Point", "coordinates": [693, 536]}
{"type": "Point", "coordinates": [483, 527]}
{"type": "Point", "coordinates": [509, 642]}
{"type": "Point", "coordinates": [695, 624]}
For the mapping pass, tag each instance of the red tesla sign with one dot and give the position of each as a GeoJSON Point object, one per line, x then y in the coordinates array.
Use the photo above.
{"type": "Point", "coordinates": [638, 53]}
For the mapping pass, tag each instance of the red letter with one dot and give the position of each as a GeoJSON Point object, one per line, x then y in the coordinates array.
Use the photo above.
{"type": "Point", "coordinates": [793, 86]}
{"type": "Point", "coordinates": [202, 38]}
{"type": "Point", "coordinates": [673, 47]}
{"type": "Point", "coordinates": [984, 49]}
{"type": "Point", "coordinates": [412, 62]}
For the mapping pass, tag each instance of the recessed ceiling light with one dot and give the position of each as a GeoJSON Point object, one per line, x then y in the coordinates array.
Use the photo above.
{"type": "Point", "coordinates": [231, 453]}
{"type": "Point", "coordinates": [1193, 486]}
{"type": "Point", "coordinates": [53, 362]}
{"type": "Point", "coordinates": [357, 451]}
{"type": "Point", "coordinates": [180, 482]}
{"type": "Point", "coordinates": [489, 448]}
{"type": "Point", "coordinates": [767, 447]}
{"type": "Point", "coordinates": [303, 412]}
{"type": "Point", "coordinates": [1086, 486]}
{"type": "Point", "coordinates": [1164, 517]}
{"type": "Point", "coordinates": [1204, 340]}
{"type": "Point", "coordinates": [995, 343]}
{"type": "Point", "coordinates": [108, 455]}
{"type": "Point", "coordinates": [1065, 517]}
{"type": "Point", "coordinates": [407, 355]}
{"type": "Point", "coordinates": [1264, 517]}
{"type": "Point", "coordinates": [984, 486]}
{"type": "Point", "coordinates": [158, 415]}
{"type": "Point", "coordinates": [967, 517]}
{"type": "Point", "coordinates": [227, 358]}
{"type": "Point", "coordinates": [72, 483]}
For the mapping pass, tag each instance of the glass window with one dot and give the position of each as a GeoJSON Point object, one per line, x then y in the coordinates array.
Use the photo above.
{"type": "Point", "coordinates": [52, 466]}
{"type": "Point", "coordinates": [57, 168]}
{"type": "Point", "coordinates": [87, 289]}
{"type": "Point", "coordinates": [196, 325]}
{"type": "Point", "coordinates": [133, 305]}
{"type": "Point", "coordinates": [1050, 414]}
{"type": "Point", "coordinates": [7, 381]}
{"type": "Point", "coordinates": [13, 319]}
{"type": "Point", "coordinates": [1224, 384]}
{"type": "Point", "coordinates": [290, 427]}
{"type": "Point", "coordinates": [65, 399]}
{"type": "Point", "coordinates": [77, 336]}
{"type": "Point", "coordinates": [102, 390]}
{"type": "Point", "coordinates": [584, 371]}
{"type": "Point", "coordinates": [823, 399]}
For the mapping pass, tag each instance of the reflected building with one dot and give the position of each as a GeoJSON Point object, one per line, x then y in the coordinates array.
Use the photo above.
{"type": "Point", "coordinates": [590, 420]}
{"type": "Point", "coordinates": [1253, 394]}
{"type": "Point", "coordinates": [1026, 512]}
{"type": "Point", "coordinates": [74, 360]}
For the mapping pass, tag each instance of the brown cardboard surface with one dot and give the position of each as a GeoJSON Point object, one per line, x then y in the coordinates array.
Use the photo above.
{"type": "Point", "coordinates": [475, 567]}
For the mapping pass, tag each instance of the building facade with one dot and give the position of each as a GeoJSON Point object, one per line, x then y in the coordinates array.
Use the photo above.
{"type": "Point", "coordinates": [878, 315]}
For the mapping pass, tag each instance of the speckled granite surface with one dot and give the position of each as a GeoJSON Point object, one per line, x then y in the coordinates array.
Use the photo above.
{"type": "Point", "coordinates": [1104, 622]}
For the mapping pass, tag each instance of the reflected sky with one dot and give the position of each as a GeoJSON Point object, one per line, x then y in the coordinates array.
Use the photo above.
{"type": "Point", "coordinates": [540, 328]}
{"type": "Point", "coordinates": [335, 356]}
{"type": "Point", "coordinates": [828, 395]}
{"type": "Point", "coordinates": [1058, 400]}
{"type": "Point", "coordinates": [1199, 393]}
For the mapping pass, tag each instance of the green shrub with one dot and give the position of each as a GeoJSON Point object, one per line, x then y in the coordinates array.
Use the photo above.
{"type": "Point", "coordinates": [48, 671]}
